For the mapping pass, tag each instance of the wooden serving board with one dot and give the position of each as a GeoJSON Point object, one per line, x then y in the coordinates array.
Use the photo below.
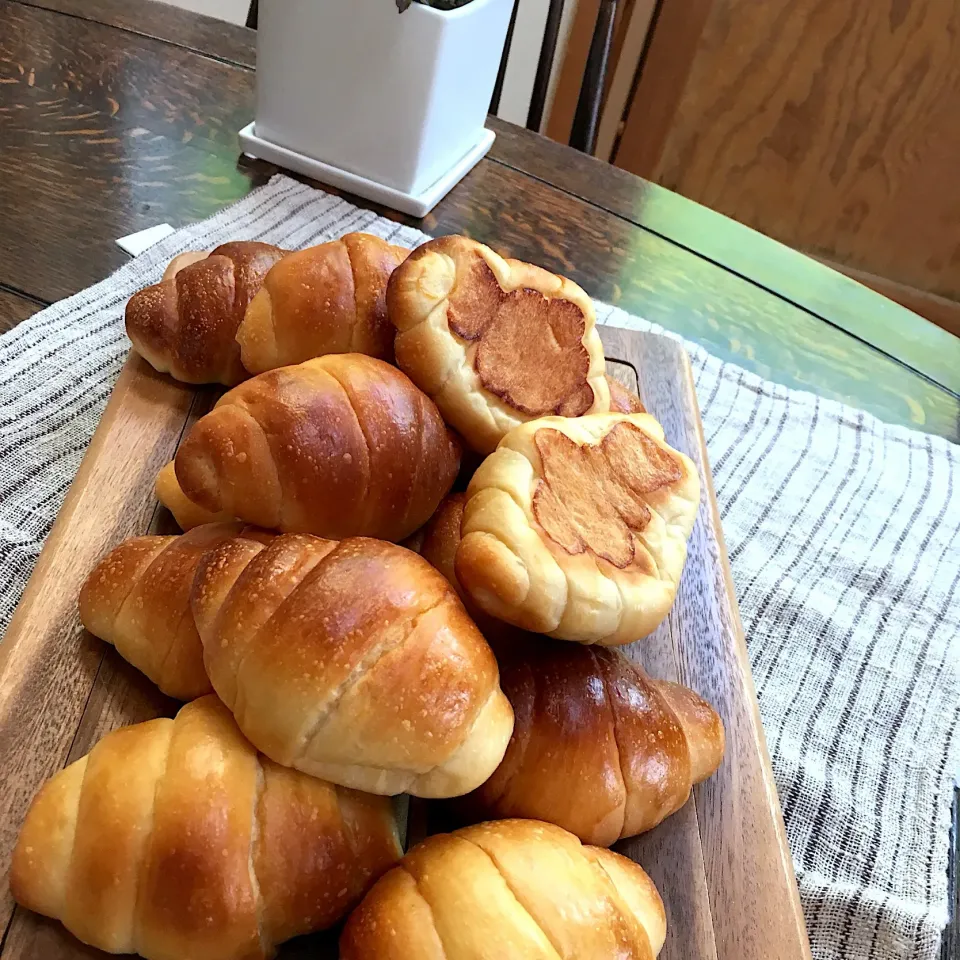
{"type": "Point", "coordinates": [721, 864]}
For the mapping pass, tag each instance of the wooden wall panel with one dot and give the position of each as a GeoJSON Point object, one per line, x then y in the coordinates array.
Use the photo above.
{"type": "Point", "coordinates": [832, 125]}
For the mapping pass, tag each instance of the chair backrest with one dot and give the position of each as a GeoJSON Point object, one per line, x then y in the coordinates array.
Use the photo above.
{"type": "Point", "coordinates": [583, 133]}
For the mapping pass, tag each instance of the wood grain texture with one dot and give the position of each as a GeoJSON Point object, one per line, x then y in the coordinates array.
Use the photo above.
{"type": "Point", "coordinates": [15, 309]}
{"type": "Point", "coordinates": [82, 118]}
{"type": "Point", "coordinates": [668, 59]}
{"type": "Point", "coordinates": [165, 21]}
{"type": "Point", "coordinates": [833, 127]}
{"type": "Point", "coordinates": [73, 197]}
{"type": "Point", "coordinates": [48, 664]}
{"type": "Point", "coordinates": [55, 180]}
{"type": "Point", "coordinates": [673, 853]}
{"type": "Point", "coordinates": [705, 861]}
{"type": "Point", "coordinates": [621, 264]}
{"type": "Point", "coordinates": [119, 72]}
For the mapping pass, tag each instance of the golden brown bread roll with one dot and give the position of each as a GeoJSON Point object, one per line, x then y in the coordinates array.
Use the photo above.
{"type": "Point", "coordinates": [510, 890]}
{"type": "Point", "coordinates": [187, 514]}
{"type": "Point", "coordinates": [352, 661]}
{"type": "Point", "coordinates": [577, 527]}
{"type": "Point", "coordinates": [494, 342]}
{"type": "Point", "coordinates": [174, 839]}
{"type": "Point", "coordinates": [339, 446]}
{"type": "Point", "coordinates": [623, 400]}
{"type": "Point", "coordinates": [182, 260]}
{"type": "Point", "coordinates": [598, 748]}
{"type": "Point", "coordinates": [438, 544]}
{"type": "Point", "coordinates": [186, 325]}
{"type": "Point", "coordinates": [138, 599]}
{"type": "Point", "coordinates": [441, 537]}
{"type": "Point", "coordinates": [325, 299]}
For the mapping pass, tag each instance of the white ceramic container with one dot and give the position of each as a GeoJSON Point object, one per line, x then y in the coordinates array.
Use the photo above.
{"type": "Point", "coordinates": [385, 102]}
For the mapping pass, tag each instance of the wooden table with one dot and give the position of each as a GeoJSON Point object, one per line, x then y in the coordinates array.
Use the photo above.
{"type": "Point", "coordinates": [119, 114]}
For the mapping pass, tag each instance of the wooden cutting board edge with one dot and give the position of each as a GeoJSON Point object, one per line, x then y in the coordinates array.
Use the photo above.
{"type": "Point", "coordinates": [754, 900]}
{"type": "Point", "coordinates": [58, 685]}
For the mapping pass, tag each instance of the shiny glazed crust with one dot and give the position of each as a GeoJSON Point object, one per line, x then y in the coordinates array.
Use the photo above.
{"type": "Point", "coordinates": [186, 325]}
{"type": "Point", "coordinates": [330, 298]}
{"type": "Point", "coordinates": [138, 599]}
{"type": "Point", "coordinates": [514, 890]}
{"type": "Point", "coordinates": [352, 661]}
{"type": "Point", "coordinates": [578, 527]}
{"type": "Point", "coordinates": [187, 513]}
{"type": "Point", "coordinates": [173, 838]}
{"type": "Point", "coordinates": [598, 748]}
{"type": "Point", "coordinates": [494, 342]}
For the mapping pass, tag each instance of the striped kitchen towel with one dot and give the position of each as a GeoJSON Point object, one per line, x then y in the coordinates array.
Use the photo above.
{"type": "Point", "coordinates": [843, 539]}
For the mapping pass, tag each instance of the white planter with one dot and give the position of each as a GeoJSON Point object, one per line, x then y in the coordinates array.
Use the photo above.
{"type": "Point", "coordinates": [393, 101]}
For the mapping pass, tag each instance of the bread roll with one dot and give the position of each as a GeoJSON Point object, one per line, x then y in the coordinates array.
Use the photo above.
{"type": "Point", "coordinates": [598, 748]}
{"type": "Point", "coordinates": [138, 599]}
{"type": "Point", "coordinates": [352, 661]}
{"type": "Point", "coordinates": [187, 514]}
{"type": "Point", "coordinates": [182, 260]}
{"type": "Point", "coordinates": [174, 839]}
{"type": "Point", "coordinates": [438, 546]}
{"type": "Point", "coordinates": [441, 537]}
{"type": "Point", "coordinates": [339, 446]}
{"type": "Point", "coordinates": [186, 325]}
{"type": "Point", "coordinates": [325, 299]}
{"type": "Point", "coordinates": [494, 342]}
{"type": "Point", "coordinates": [511, 890]}
{"type": "Point", "coordinates": [623, 400]}
{"type": "Point", "coordinates": [577, 527]}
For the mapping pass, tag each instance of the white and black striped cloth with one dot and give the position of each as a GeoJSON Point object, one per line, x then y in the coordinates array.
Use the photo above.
{"type": "Point", "coordinates": [844, 537]}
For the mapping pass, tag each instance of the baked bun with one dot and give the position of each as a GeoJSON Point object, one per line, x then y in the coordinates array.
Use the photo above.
{"type": "Point", "coordinates": [186, 325]}
{"type": "Point", "coordinates": [623, 400]}
{"type": "Point", "coordinates": [325, 299]}
{"type": "Point", "coordinates": [187, 513]}
{"type": "Point", "coordinates": [598, 748]}
{"type": "Point", "coordinates": [494, 342]}
{"type": "Point", "coordinates": [578, 527]}
{"type": "Point", "coordinates": [339, 446]}
{"type": "Point", "coordinates": [138, 599]}
{"type": "Point", "coordinates": [352, 661]}
{"type": "Point", "coordinates": [438, 545]}
{"type": "Point", "coordinates": [441, 537]}
{"type": "Point", "coordinates": [174, 839]}
{"type": "Point", "coordinates": [510, 890]}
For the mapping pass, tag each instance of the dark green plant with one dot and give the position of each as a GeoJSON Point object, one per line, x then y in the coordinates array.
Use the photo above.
{"type": "Point", "coordinates": [439, 4]}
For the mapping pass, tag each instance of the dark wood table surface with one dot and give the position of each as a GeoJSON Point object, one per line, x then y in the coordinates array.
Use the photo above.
{"type": "Point", "coordinates": [116, 115]}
